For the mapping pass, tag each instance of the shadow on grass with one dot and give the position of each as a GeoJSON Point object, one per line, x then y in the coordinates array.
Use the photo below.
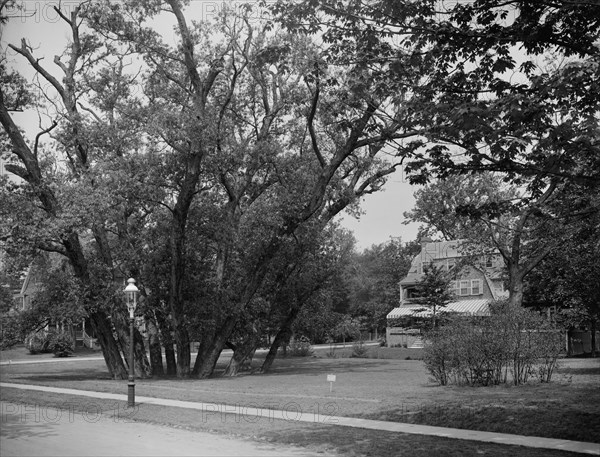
{"type": "Point", "coordinates": [579, 370]}
{"type": "Point", "coordinates": [314, 365]}
{"type": "Point", "coordinates": [309, 366]}
{"type": "Point", "coordinates": [377, 443]}
{"type": "Point", "coordinates": [97, 376]}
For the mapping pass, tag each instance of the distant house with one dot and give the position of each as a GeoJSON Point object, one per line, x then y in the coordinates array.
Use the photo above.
{"type": "Point", "coordinates": [478, 280]}
{"type": "Point", "coordinates": [10, 284]}
{"type": "Point", "coordinates": [29, 289]}
{"type": "Point", "coordinates": [81, 332]}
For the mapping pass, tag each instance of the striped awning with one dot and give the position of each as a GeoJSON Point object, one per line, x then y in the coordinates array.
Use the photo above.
{"type": "Point", "coordinates": [480, 307]}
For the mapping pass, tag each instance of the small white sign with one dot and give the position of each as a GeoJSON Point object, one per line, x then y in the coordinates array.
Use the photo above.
{"type": "Point", "coordinates": [330, 378]}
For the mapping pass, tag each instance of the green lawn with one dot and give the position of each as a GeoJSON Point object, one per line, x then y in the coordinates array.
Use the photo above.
{"type": "Point", "coordinates": [378, 388]}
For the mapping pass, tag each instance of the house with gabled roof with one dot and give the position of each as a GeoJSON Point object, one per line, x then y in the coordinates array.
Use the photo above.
{"type": "Point", "coordinates": [32, 285]}
{"type": "Point", "coordinates": [477, 281]}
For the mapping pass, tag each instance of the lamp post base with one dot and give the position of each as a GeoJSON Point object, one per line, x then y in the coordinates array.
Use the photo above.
{"type": "Point", "coordinates": [131, 394]}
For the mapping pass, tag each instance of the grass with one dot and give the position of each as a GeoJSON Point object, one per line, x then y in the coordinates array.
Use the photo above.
{"type": "Point", "coordinates": [373, 352]}
{"type": "Point", "coordinates": [378, 388]}
{"type": "Point", "coordinates": [19, 353]}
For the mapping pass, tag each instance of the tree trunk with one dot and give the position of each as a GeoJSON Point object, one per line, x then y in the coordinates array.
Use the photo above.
{"type": "Point", "coordinates": [283, 335]}
{"type": "Point", "coordinates": [171, 360]}
{"type": "Point", "coordinates": [142, 365]}
{"type": "Point", "coordinates": [207, 338]}
{"type": "Point", "coordinates": [184, 355]}
{"type": "Point", "coordinates": [110, 349]}
{"type": "Point", "coordinates": [177, 239]}
{"type": "Point", "coordinates": [164, 329]}
{"type": "Point", "coordinates": [243, 352]}
{"type": "Point", "coordinates": [209, 351]}
{"type": "Point", "coordinates": [155, 348]}
{"type": "Point", "coordinates": [515, 291]}
{"type": "Point", "coordinates": [272, 354]}
{"type": "Point", "coordinates": [206, 366]}
{"type": "Point", "coordinates": [593, 327]}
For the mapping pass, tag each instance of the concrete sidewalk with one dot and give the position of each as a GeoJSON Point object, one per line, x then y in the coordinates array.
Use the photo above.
{"type": "Point", "coordinates": [49, 360]}
{"type": "Point", "coordinates": [294, 413]}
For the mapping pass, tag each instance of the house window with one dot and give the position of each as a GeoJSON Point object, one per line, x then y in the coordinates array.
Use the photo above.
{"type": "Point", "coordinates": [454, 287]}
{"type": "Point", "coordinates": [476, 287]}
{"type": "Point", "coordinates": [489, 261]}
{"type": "Point", "coordinates": [464, 288]}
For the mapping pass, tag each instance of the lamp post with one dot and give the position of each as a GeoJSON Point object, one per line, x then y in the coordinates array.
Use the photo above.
{"type": "Point", "coordinates": [131, 292]}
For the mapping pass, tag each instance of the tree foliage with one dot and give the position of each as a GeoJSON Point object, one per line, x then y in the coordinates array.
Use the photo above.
{"type": "Point", "coordinates": [433, 290]}
{"type": "Point", "coordinates": [373, 280]}
{"type": "Point", "coordinates": [482, 99]}
{"type": "Point", "coordinates": [210, 166]}
{"type": "Point", "coordinates": [567, 277]}
{"type": "Point", "coordinates": [221, 158]}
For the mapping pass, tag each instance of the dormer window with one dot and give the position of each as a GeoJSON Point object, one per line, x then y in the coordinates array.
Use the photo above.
{"type": "Point", "coordinates": [467, 287]}
{"type": "Point", "coordinates": [464, 288]}
{"type": "Point", "coordinates": [476, 287]}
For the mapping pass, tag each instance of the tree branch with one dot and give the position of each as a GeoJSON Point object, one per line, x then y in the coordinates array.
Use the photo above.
{"type": "Point", "coordinates": [311, 126]}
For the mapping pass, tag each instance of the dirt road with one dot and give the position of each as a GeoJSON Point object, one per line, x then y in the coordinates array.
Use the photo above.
{"type": "Point", "coordinates": [27, 430]}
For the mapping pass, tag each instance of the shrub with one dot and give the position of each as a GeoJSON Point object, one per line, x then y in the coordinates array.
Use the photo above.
{"type": "Point", "coordinates": [482, 351]}
{"type": "Point", "coordinates": [10, 332]}
{"type": "Point", "coordinates": [38, 343]}
{"type": "Point", "coordinates": [439, 354]}
{"type": "Point", "coordinates": [300, 347]}
{"type": "Point", "coordinates": [359, 350]}
{"type": "Point", "coordinates": [61, 344]}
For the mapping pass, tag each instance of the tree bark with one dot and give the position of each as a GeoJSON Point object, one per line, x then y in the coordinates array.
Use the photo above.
{"type": "Point", "coordinates": [110, 349]}
{"type": "Point", "coordinates": [177, 240]}
{"type": "Point", "coordinates": [593, 328]}
{"type": "Point", "coordinates": [167, 341]}
{"type": "Point", "coordinates": [156, 362]}
{"type": "Point", "coordinates": [515, 288]}
{"type": "Point", "coordinates": [208, 354]}
{"type": "Point", "coordinates": [243, 352]}
{"type": "Point", "coordinates": [283, 335]}
{"type": "Point", "coordinates": [182, 340]}
{"type": "Point", "coordinates": [142, 365]}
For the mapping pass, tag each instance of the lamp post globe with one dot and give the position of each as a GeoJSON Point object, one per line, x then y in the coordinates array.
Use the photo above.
{"type": "Point", "coordinates": [131, 293]}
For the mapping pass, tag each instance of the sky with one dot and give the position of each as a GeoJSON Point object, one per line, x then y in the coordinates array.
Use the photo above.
{"type": "Point", "coordinates": [382, 212]}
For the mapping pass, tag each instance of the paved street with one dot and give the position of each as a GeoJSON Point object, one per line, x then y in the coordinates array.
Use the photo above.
{"type": "Point", "coordinates": [45, 431]}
